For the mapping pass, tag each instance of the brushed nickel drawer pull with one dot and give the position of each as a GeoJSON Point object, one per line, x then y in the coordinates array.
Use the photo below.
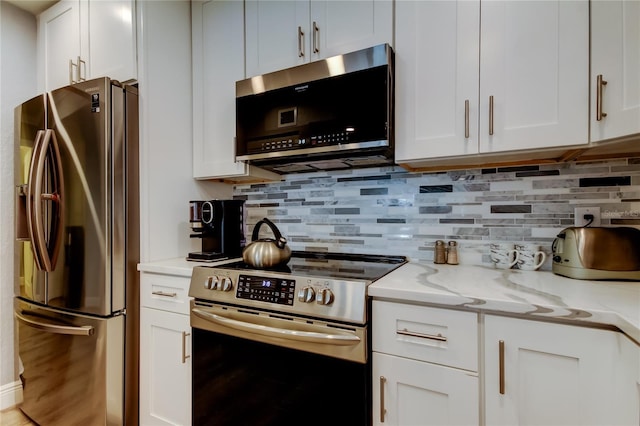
{"type": "Point", "coordinates": [501, 361]}
{"type": "Point", "coordinates": [438, 336]}
{"type": "Point", "coordinates": [383, 381]}
{"type": "Point", "coordinates": [600, 83]}
{"type": "Point", "coordinates": [300, 42]}
{"type": "Point", "coordinates": [163, 294]}
{"type": "Point", "coordinates": [184, 346]}
{"type": "Point", "coordinates": [466, 119]}
{"type": "Point", "coordinates": [491, 115]}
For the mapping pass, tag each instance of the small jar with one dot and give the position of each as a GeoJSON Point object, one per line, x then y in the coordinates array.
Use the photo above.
{"type": "Point", "coordinates": [440, 255]}
{"type": "Point", "coordinates": [452, 253]}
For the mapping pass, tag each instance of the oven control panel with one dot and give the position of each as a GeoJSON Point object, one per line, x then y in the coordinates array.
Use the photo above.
{"type": "Point", "coordinates": [266, 289]}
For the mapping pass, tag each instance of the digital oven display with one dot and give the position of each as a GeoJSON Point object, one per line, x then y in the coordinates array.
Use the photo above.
{"type": "Point", "coordinates": [266, 289]}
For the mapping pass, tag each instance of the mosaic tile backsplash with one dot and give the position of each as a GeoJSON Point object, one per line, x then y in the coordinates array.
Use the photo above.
{"type": "Point", "coordinates": [392, 211]}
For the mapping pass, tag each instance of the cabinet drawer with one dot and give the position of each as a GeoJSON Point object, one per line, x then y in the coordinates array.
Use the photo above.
{"type": "Point", "coordinates": [423, 333]}
{"type": "Point", "coordinates": [166, 292]}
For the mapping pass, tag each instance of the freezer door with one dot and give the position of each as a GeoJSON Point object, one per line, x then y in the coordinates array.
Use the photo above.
{"type": "Point", "coordinates": [29, 124]}
{"type": "Point", "coordinates": [80, 116]}
{"type": "Point", "coordinates": [73, 366]}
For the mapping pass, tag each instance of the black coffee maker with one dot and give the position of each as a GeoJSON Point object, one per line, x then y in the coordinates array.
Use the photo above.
{"type": "Point", "coordinates": [220, 226]}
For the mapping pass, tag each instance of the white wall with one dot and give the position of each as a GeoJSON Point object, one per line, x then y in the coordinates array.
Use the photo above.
{"type": "Point", "coordinates": [17, 84]}
{"type": "Point", "coordinates": [167, 185]}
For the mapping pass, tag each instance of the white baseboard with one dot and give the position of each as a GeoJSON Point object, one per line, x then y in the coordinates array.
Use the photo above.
{"type": "Point", "coordinates": [10, 394]}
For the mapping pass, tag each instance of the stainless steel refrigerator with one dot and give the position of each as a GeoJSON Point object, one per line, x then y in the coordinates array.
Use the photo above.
{"type": "Point", "coordinates": [77, 247]}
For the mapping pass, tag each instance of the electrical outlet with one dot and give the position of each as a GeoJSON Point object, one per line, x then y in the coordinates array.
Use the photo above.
{"type": "Point", "coordinates": [580, 212]}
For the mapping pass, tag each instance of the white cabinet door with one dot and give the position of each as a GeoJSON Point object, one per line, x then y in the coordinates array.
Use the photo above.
{"type": "Point", "coordinates": [534, 64]}
{"type": "Point", "coordinates": [109, 49]}
{"type": "Point", "coordinates": [409, 392]}
{"type": "Point", "coordinates": [615, 55]}
{"type": "Point", "coordinates": [58, 44]}
{"type": "Point", "coordinates": [627, 394]}
{"type": "Point", "coordinates": [339, 27]}
{"type": "Point", "coordinates": [437, 48]}
{"type": "Point", "coordinates": [550, 373]}
{"type": "Point", "coordinates": [277, 35]}
{"type": "Point", "coordinates": [281, 34]}
{"type": "Point", "coordinates": [84, 39]}
{"type": "Point", "coordinates": [217, 63]}
{"type": "Point", "coordinates": [165, 368]}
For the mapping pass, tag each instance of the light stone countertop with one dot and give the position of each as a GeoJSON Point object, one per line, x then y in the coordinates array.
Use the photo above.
{"type": "Point", "coordinates": [535, 294]}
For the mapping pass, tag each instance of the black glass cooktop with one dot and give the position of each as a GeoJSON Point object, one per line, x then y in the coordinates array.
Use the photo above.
{"type": "Point", "coordinates": [366, 267]}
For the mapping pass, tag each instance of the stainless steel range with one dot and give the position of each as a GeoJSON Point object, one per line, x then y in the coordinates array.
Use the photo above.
{"type": "Point", "coordinates": [281, 339]}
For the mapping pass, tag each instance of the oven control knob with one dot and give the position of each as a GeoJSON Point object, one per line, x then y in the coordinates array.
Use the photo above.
{"type": "Point", "coordinates": [324, 297]}
{"type": "Point", "coordinates": [208, 283]}
{"type": "Point", "coordinates": [306, 294]}
{"type": "Point", "coordinates": [225, 284]}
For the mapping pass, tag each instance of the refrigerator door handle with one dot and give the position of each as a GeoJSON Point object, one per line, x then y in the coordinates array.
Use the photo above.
{"type": "Point", "coordinates": [82, 330]}
{"type": "Point", "coordinates": [45, 148]}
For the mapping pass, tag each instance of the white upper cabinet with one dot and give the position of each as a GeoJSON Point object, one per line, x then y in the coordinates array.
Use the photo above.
{"type": "Point", "coordinates": [615, 69]}
{"type": "Point", "coordinates": [534, 64]}
{"type": "Point", "coordinates": [58, 44]}
{"type": "Point", "coordinates": [282, 34]}
{"type": "Point", "coordinates": [83, 39]}
{"type": "Point", "coordinates": [490, 77]}
{"type": "Point", "coordinates": [110, 48]}
{"type": "Point", "coordinates": [218, 62]}
{"type": "Point", "coordinates": [437, 48]}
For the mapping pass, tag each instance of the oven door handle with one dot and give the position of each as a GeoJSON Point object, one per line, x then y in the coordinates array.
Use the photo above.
{"type": "Point", "coordinates": [264, 330]}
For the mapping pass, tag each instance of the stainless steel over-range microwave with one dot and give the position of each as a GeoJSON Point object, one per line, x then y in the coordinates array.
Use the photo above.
{"type": "Point", "coordinates": [330, 114]}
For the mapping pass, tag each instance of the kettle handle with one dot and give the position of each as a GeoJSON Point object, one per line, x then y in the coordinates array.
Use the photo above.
{"type": "Point", "coordinates": [280, 240]}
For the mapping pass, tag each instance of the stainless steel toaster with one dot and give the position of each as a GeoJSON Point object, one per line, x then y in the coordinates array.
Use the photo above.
{"type": "Point", "coordinates": [597, 253]}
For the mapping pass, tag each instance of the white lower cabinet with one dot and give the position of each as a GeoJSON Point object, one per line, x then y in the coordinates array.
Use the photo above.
{"type": "Point", "coordinates": [165, 351]}
{"type": "Point", "coordinates": [539, 373]}
{"type": "Point", "coordinates": [424, 366]}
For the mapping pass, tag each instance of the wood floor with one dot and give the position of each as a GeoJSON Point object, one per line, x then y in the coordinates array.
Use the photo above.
{"type": "Point", "coordinates": [14, 417]}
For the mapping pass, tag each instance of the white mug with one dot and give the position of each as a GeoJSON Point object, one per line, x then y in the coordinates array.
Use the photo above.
{"type": "Point", "coordinates": [503, 255]}
{"type": "Point", "coordinates": [530, 257]}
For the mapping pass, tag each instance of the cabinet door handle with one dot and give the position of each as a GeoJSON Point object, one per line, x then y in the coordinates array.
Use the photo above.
{"type": "Point", "coordinates": [316, 36]}
{"type": "Point", "coordinates": [71, 65]}
{"type": "Point", "coordinates": [439, 337]}
{"type": "Point", "coordinates": [490, 115]}
{"type": "Point", "coordinates": [300, 42]}
{"type": "Point", "coordinates": [163, 294]}
{"type": "Point", "coordinates": [600, 83]}
{"type": "Point", "coordinates": [501, 362]}
{"type": "Point", "coordinates": [466, 119]}
{"type": "Point", "coordinates": [184, 346]}
{"type": "Point", "coordinates": [383, 381]}
{"type": "Point", "coordinates": [80, 74]}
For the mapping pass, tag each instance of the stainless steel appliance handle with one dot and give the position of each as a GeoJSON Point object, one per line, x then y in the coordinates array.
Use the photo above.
{"type": "Point", "coordinates": [264, 330]}
{"type": "Point", "coordinates": [31, 217]}
{"type": "Point", "coordinates": [82, 330]}
{"type": "Point", "coordinates": [45, 148]}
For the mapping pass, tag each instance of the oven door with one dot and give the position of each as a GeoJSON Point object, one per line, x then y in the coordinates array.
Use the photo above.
{"type": "Point", "coordinates": [255, 368]}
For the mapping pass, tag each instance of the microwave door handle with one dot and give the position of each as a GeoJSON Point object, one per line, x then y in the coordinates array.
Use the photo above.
{"type": "Point", "coordinates": [265, 330]}
{"type": "Point", "coordinates": [82, 330]}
